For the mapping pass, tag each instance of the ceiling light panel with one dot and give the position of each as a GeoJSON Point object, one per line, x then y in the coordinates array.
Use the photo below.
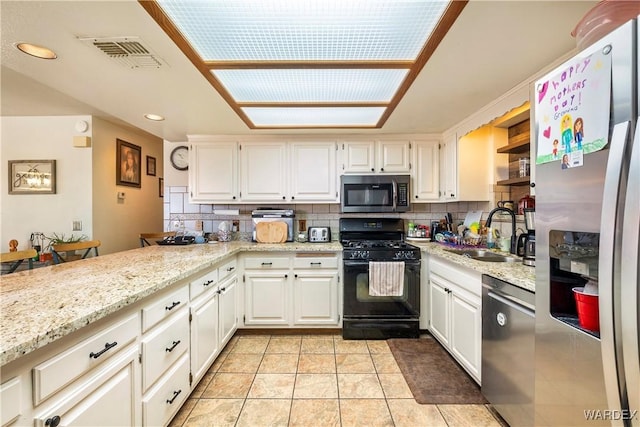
{"type": "Point", "coordinates": [311, 85]}
{"type": "Point", "coordinates": [311, 30]}
{"type": "Point", "coordinates": [314, 116]}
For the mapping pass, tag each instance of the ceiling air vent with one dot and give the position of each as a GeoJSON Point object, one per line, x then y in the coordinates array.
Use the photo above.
{"type": "Point", "coordinates": [128, 51]}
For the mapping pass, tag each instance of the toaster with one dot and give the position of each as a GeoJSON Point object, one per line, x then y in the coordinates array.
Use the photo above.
{"type": "Point", "coordinates": [319, 234]}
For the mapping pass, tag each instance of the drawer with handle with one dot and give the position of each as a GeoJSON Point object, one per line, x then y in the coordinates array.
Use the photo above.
{"type": "Point", "coordinates": [202, 283]}
{"type": "Point", "coordinates": [163, 346]}
{"type": "Point", "coordinates": [227, 269]}
{"type": "Point", "coordinates": [55, 373]}
{"type": "Point", "coordinates": [166, 397]}
{"type": "Point", "coordinates": [316, 262]}
{"type": "Point", "coordinates": [266, 263]}
{"type": "Point", "coordinates": [164, 307]}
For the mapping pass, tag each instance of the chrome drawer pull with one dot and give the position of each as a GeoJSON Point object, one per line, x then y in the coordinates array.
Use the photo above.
{"type": "Point", "coordinates": [106, 348]}
{"type": "Point", "coordinates": [172, 306]}
{"type": "Point", "coordinates": [175, 394]}
{"type": "Point", "coordinates": [170, 349]}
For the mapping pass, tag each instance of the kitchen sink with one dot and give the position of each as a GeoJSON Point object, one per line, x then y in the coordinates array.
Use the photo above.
{"type": "Point", "coordinates": [482, 255]}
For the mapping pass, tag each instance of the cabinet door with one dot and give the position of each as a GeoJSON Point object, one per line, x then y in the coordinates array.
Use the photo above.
{"type": "Point", "coordinates": [213, 172]}
{"type": "Point", "coordinates": [426, 170]}
{"type": "Point", "coordinates": [449, 167]}
{"type": "Point", "coordinates": [313, 171]}
{"type": "Point", "coordinates": [263, 171]}
{"type": "Point", "coordinates": [466, 332]}
{"type": "Point", "coordinates": [439, 310]}
{"type": "Point", "coordinates": [394, 157]}
{"type": "Point", "coordinates": [204, 332]}
{"type": "Point", "coordinates": [358, 157]}
{"type": "Point", "coordinates": [228, 312]}
{"type": "Point", "coordinates": [315, 298]}
{"type": "Point", "coordinates": [266, 298]}
{"type": "Point", "coordinates": [109, 397]}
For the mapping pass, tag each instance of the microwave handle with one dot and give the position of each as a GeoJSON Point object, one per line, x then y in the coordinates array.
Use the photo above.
{"type": "Point", "coordinates": [395, 194]}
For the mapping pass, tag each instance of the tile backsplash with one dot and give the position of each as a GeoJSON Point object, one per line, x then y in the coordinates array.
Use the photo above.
{"type": "Point", "coordinates": [178, 210]}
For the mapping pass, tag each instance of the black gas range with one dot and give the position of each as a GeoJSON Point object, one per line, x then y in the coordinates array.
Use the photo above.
{"type": "Point", "coordinates": [366, 313]}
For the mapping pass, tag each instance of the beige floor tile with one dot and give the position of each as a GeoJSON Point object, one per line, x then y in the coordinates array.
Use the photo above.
{"type": "Point", "coordinates": [214, 412]}
{"type": "Point", "coordinates": [351, 346]}
{"type": "Point", "coordinates": [284, 345]}
{"type": "Point", "coordinates": [182, 415]}
{"type": "Point", "coordinates": [241, 363]}
{"type": "Point", "coordinates": [232, 342]}
{"type": "Point", "coordinates": [317, 345]}
{"type": "Point", "coordinates": [228, 386]}
{"type": "Point", "coordinates": [317, 364]}
{"type": "Point", "coordinates": [265, 412]}
{"type": "Point", "coordinates": [278, 364]}
{"type": "Point", "coordinates": [217, 363]}
{"type": "Point", "coordinates": [378, 346]}
{"type": "Point", "coordinates": [251, 344]}
{"type": "Point", "coordinates": [316, 386]}
{"type": "Point", "coordinates": [272, 386]}
{"type": "Point", "coordinates": [359, 386]}
{"type": "Point", "coordinates": [365, 412]}
{"type": "Point", "coordinates": [327, 336]}
{"type": "Point", "coordinates": [315, 412]}
{"type": "Point", "coordinates": [202, 385]}
{"type": "Point", "coordinates": [409, 413]}
{"type": "Point", "coordinates": [348, 363]}
{"type": "Point", "coordinates": [468, 416]}
{"type": "Point", "coordinates": [394, 386]}
{"type": "Point", "coordinates": [385, 363]}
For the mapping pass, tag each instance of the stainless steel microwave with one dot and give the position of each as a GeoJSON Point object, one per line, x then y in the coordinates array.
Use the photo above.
{"type": "Point", "coordinates": [375, 193]}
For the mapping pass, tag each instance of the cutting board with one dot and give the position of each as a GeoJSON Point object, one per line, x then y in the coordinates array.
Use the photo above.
{"type": "Point", "coordinates": [271, 232]}
{"type": "Point", "coordinates": [471, 217]}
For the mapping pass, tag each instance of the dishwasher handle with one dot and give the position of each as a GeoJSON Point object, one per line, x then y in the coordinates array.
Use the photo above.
{"type": "Point", "coordinates": [512, 303]}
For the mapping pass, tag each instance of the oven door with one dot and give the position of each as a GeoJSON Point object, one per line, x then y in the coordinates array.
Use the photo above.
{"type": "Point", "coordinates": [359, 304]}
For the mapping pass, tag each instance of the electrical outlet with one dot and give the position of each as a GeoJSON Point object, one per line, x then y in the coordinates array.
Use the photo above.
{"type": "Point", "coordinates": [302, 225]}
{"type": "Point", "coordinates": [77, 225]}
{"type": "Point", "coordinates": [199, 225]}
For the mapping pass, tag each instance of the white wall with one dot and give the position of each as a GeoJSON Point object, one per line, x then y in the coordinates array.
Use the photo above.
{"type": "Point", "coordinates": [36, 138]}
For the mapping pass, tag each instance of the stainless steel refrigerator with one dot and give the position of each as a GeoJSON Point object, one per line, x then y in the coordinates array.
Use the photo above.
{"type": "Point", "coordinates": [587, 235]}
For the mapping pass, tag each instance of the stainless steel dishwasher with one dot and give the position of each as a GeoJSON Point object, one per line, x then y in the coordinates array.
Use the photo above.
{"type": "Point", "coordinates": [508, 341]}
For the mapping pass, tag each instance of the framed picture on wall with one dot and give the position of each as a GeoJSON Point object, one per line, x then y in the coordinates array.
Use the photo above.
{"type": "Point", "coordinates": [128, 164]}
{"type": "Point", "coordinates": [32, 177]}
{"type": "Point", "coordinates": [151, 166]}
{"type": "Point", "coordinates": [161, 187]}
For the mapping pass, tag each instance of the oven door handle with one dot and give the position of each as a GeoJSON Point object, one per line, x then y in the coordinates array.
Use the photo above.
{"type": "Point", "coordinates": [356, 263]}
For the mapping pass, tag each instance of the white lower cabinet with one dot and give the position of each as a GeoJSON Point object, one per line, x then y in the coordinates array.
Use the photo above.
{"type": "Point", "coordinates": [106, 398]}
{"type": "Point", "coordinates": [165, 398]}
{"type": "Point", "coordinates": [267, 297]}
{"type": "Point", "coordinates": [204, 332]}
{"type": "Point", "coordinates": [455, 313]}
{"type": "Point", "coordinates": [228, 309]}
{"type": "Point", "coordinates": [289, 290]}
{"type": "Point", "coordinates": [315, 298]}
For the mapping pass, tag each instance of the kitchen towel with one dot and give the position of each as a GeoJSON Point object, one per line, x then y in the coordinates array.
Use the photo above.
{"type": "Point", "coordinates": [386, 279]}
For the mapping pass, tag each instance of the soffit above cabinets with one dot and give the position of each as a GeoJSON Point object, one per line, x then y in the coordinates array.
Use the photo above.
{"type": "Point", "coordinates": [308, 63]}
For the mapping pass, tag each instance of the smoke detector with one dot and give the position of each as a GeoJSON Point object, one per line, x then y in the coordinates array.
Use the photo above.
{"type": "Point", "coordinates": [130, 52]}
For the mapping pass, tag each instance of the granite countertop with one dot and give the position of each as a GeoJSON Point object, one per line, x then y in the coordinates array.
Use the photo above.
{"type": "Point", "coordinates": [515, 273]}
{"type": "Point", "coordinates": [39, 306]}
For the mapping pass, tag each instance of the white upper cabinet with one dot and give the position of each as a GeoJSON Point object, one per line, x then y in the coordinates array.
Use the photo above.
{"type": "Point", "coordinates": [213, 172]}
{"type": "Point", "coordinates": [313, 171]}
{"type": "Point", "coordinates": [449, 167]}
{"type": "Point", "coordinates": [376, 156]}
{"type": "Point", "coordinates": [394, 157]}
{"type": "Point", "coordinates": [426, 171]}
{"type": "Point", "coordinates": [263, 171]}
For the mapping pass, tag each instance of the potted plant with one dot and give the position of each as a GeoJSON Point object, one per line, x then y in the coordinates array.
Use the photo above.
{"type": "Point", "coordinates": [58, 239]}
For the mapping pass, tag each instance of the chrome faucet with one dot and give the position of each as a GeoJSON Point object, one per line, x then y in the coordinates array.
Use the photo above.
{"type": "Point", "coordinates": [513, 225]}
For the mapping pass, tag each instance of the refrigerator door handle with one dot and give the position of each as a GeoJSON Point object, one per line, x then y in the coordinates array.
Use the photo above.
{"type": "Point", "coordinates": [609, 303]}
{"type": "Point", "coordinates": [629, 279]}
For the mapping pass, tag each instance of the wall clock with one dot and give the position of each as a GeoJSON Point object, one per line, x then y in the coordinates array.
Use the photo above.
{"type": "Point", "coordinates": [179, 158]}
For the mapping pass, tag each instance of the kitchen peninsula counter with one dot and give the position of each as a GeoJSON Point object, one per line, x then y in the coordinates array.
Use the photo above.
{"type": "Point", "coordinates": [40, 306]}
{"type": "Point", "coordinates": [515, 273]}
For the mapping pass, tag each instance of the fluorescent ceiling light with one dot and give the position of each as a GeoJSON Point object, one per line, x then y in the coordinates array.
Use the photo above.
{"type": "Point", "coordinates": [287, 54]}
{"type": "Point", "coordinates": [314, 116]}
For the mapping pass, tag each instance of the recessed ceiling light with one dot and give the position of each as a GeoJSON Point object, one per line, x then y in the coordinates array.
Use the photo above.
{"type": "Point", "coordinates": [154, 117]}
{"type": "Point", "coordinates": [35, 50]}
